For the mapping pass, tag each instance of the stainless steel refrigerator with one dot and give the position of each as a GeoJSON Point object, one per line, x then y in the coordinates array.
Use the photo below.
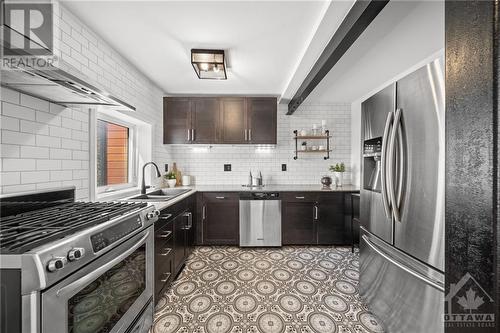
{"type": "Point", "coordinates": [402, 202]}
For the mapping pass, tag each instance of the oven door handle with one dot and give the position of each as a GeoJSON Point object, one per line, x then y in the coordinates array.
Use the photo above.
{"type": "Point", "coordinates": [96, 273]}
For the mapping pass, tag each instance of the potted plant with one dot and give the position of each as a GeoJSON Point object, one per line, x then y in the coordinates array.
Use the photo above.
{"type": "Point", "coordinates": [338, 171]}
{"type": "Point", "coordinates": [171, 179]}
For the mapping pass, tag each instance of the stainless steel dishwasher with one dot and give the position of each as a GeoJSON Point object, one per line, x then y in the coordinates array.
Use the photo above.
{"type": "Point", "coordinates": [260, 219]}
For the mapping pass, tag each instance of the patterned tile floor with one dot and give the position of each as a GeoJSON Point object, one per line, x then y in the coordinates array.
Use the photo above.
{"type": "Point", "coordinates": [291, 290]}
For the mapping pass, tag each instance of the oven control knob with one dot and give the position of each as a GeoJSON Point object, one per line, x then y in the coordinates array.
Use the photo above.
{"type": "Point", "coordinates": [76, 254]}
{"type": "Point", "coordinates": [56, 264]}
{"type": "Point", "coordinates": [153, 214]}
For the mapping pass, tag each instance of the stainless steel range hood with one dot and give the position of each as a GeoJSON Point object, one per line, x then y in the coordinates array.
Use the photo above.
{"type": "Point", "coordinates": [60, 84]}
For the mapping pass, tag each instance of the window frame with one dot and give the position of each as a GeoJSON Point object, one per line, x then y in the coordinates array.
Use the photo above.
{"type": "Point", "coordinates": [132, 155]}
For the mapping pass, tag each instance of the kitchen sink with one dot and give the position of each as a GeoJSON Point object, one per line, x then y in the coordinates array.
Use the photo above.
{"type": "Point", "coordinates": [160, 195]}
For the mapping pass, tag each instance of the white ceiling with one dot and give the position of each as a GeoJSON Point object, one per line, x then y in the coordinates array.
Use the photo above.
{"type": "Point", "coordinates": [265, 40]}
{"type": "Point", "coordinates": [403, 35]}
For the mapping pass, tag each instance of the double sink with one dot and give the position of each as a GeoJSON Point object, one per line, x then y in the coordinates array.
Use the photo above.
{"type": "Point", "coordinates": [160, 195]}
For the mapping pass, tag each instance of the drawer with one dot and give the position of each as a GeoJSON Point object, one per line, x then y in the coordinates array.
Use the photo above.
{"type": "Point", "coordinates": [299, 196]}
{"type": "Point", "coordinates": [221, 196]}
{"type": "Point", "coordinates": [165, 231]}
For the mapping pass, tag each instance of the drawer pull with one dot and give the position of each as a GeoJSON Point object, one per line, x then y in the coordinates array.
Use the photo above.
{"type": "Point", "coordinates": [166, 277]}
{"type": "Point", "coordinates": [300, 197]}
{"type": "Point", "coordinates": [220, 197]}
{"type": "Point", "coordinates": [167, 251]}
{"type": "Point", "coordinates": [165, 217]}
{"type": "Point", "coordinates": [165, 235]}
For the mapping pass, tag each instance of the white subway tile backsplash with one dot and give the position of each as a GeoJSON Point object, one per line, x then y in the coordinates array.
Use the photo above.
{"type": "Point", "coordinates": [48, 164]}
{"type": "Point", "coordinates": [17, 164]}
{"type": "Point", "coordinates": [62, 154]}
{"type": "Point", "coordinates": [70, 144]}
{"type": "Point", "coordinates": [17, 138]}
{"type": "Point", "coordinates": [60, 131]}
{"type": "Point", "coordinates": [18, 188]}
{"type": "Point", "coordinates": [9, 123]}
{"type": "Point", "coordinates": [48, 118]}
{"type": "Point", "coordinates": [48, 141]}
{"type": "Point", "coordinates": [34, 152]}
{"type": "Point", "coordinates": [34, 177]}
{"type": "Point", "coordinates": [34, 103]}
{"type": "Point", "coordinates": [70, 123]}
{"type": "Point", "coordinates": [7, 150]}
{"type": "Point", "coordinates": [18, 111]}
{"type": "Point", "coordinates": [10, 178]}
{"type": "Point", "coordinates": [28, 126]}
{"type": "Point", "coordinates": [71, 165]}
{"type": "Point", "coordinates": [61, 175]}
{"type": "Point", "coordinates": [10, 96]}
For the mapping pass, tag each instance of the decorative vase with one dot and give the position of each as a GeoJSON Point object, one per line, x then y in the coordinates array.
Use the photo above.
{"type": "Point", "coordinates": [338, 178]}
{"type": "Point", "coordinates": [326, 181]}
{"type": "Point", "coordinates": [171, 182]}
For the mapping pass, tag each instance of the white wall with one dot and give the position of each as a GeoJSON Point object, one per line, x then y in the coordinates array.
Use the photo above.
{"type": "Point", "coordinates": [207, 166]}
{"type": "Point", "coordinates": [45, 145]}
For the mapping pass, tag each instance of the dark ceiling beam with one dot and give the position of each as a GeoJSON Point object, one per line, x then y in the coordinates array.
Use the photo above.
{"type": "Point", "coordinates": [362, 13]}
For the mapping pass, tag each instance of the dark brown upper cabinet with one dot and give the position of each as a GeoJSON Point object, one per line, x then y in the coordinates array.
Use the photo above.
{"type": "Point", "coordinates": [204, 120]}
{"type": "Point", "coordinates": [261, 120]}
{"type": "Point", "coordinates": [227, 120]}
{"type": "Point", "coordinates": [190, 120]}
{"type": "Point", "coordinates": [233, 120]}
{"type": "Point", "coordinates": [176, 120]}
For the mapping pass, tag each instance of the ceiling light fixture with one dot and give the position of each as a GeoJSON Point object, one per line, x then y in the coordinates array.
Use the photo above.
{"type": "Point", "coordinates": [209, 64]}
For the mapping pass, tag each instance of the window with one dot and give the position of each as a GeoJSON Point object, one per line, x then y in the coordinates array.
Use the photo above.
{"type": "Point", "coordinates": [114, 151]}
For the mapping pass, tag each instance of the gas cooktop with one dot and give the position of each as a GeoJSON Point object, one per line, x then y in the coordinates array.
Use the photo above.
{"type": "Point", "coordinates": [22, 232]}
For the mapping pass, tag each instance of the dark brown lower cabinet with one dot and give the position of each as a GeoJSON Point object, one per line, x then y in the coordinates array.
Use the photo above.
{"type": "Point", "coordinates": [220, 219]}
{"type": "Point", "coordinates": [297, 223]}
{"type": "Point", "coordinates": [313, 218]}
{"type": "Point", "coordinates": [174, 242]}
{"type": "Point", "coordinates": [164, 255]}
{"type": "Point", "coordinates": [330, 225]}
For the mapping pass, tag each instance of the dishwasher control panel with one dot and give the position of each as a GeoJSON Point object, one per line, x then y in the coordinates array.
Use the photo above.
{"type": "Point", "coordinates": [259, 196]}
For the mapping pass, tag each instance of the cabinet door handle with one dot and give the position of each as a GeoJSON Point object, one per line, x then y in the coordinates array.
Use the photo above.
{"type": "Point", "coordinates": [316, 210]}
{"type": "Point", "coordinates": [300, 197]}
{"type": "Point", "coordinates": [167, 251]}
{"type": "Point", "coordinates": [249, 134]}
{"type": "Point", "coordinates": [220, 198]}
{"type": "Point", "coordinates": [192, 134]}
{"type": "Point", "coordinates": [165, 235]}
{"type": "Point", "coordinates": [204, 212]}
{"type": "Point", "coordinates": [189, 134]}
{"type": "Point", "coordinates": [246, 136]}
{"type": "Point", "coordinates": [166, 276]}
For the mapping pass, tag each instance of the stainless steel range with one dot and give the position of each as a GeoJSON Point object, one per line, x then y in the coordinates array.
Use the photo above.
{"type": "Point", "coordinates": [71, 266]}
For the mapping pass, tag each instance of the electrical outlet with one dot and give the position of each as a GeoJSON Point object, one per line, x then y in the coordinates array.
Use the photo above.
{"type": "Point", "coordinates": [166, 167]}
{"type": "Point", "coordinates": [227, 167]}
{"type": "Point", "coordinates": [283, 167]}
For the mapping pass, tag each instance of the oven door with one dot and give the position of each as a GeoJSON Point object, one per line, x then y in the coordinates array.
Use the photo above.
{"type": "Point", "coordinates": [105, 296]}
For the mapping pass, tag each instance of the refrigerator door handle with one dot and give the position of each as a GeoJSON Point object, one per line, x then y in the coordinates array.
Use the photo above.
{"type": "Point", "coordinates": [401, 163]}
{"type": "Point", "coordinates": [436, 284]}
{"type": "Point", "coordinates": [383, 166]}
{"type": "Point", "coordinates": [392, 161]}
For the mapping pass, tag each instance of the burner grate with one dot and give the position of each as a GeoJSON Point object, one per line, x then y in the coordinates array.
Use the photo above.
{"type": "Point", "coordinates": [23, 232]}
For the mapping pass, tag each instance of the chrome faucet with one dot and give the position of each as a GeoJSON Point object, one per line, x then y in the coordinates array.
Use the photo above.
{"type": "Point", "coordinates": [143, 183]}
